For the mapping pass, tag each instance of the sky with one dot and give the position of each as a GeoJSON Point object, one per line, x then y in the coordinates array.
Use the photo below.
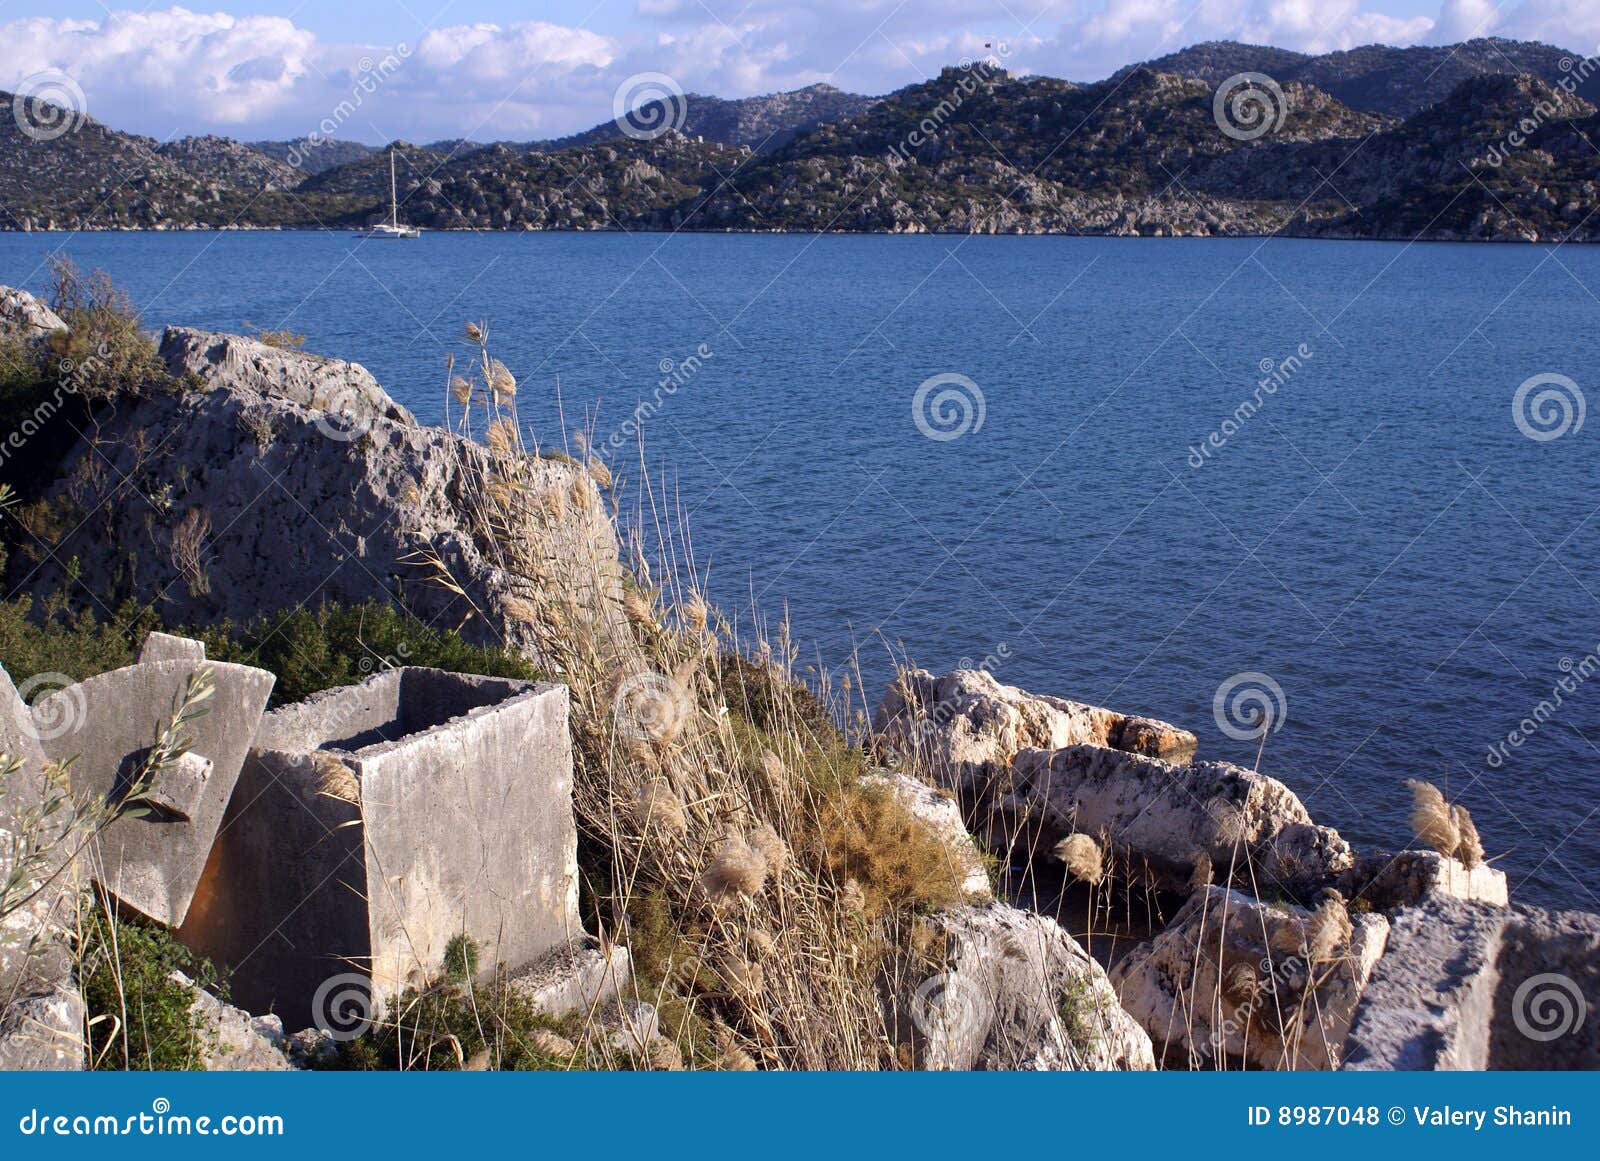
{"type": "Point", "coordinates": [379, 70]}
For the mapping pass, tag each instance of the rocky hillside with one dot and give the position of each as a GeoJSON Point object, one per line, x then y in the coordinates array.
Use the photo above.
{"type": "Point", "coordinates": [762, 123]}
{"type": "Point", "coordinates": [1379, 78]}
{"type": "Point", "coordinates": [1500, 155]}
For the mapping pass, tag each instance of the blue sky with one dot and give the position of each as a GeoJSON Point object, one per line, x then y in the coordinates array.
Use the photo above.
{"type": "Point", "coordinates": [373, 70]}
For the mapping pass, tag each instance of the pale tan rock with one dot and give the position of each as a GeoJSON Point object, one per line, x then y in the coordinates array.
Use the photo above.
{"type": "Point", "coordinates": [1230, 979]}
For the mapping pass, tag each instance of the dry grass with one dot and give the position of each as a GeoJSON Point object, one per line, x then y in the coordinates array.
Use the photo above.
{"type": "Point", "coordinates": [1446, 827]}
{"type": "Point", "coordinates": [724, 832]}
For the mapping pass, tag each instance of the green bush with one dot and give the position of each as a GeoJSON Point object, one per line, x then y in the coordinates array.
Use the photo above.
{"type": "Point", "coordinates": [343, 644]}
{"type": "Point", "coordinates": [309, 651]}
{"type": "Point", "coordinates": [139, 1017]}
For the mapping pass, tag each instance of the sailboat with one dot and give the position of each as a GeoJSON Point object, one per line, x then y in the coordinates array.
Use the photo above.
{"type": "Point", "coordinates": [392, 228]}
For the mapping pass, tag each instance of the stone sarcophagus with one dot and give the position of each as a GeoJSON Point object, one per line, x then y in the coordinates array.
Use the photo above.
{"type": "Point", "coordinates": [373, 823]}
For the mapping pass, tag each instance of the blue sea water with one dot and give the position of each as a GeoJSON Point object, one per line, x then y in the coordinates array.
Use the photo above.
{"type": "Point", "coordinates": [1374, 532]}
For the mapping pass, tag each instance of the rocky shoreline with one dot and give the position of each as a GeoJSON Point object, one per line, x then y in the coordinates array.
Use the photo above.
{"type": "Point", "coordinates": [430, 812]}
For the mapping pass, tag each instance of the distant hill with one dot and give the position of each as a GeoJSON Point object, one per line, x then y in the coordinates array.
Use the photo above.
{"type": "Point", "coordinates": [1378, 78]}
{"type": "Point", "coordinates": [312, 157]}
{"type": "Point", "coordinates": [1502, 156]}
{"type": "Point", "coordinates": [763, 124]}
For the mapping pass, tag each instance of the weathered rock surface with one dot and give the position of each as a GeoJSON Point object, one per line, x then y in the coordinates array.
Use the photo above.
{"type": "Point", "coordinates": [43, 1032]}
{"type": "Point", "coordinates": [1234, 978]}
{"type": "Point", "coordinates": [965, 727]}
{"type": "Point", "coordinates": [375, 822]}
{"type": "Point", "coordinates": [108, 722]}
{"type": "Point", "coordinates": [1405, 879]}
{"type": "Point", "coordinates": [241, 500]}
{"type": "Point", "coordinates": [313, 381]}
{"type": "Point", "coordinates": [232, 1040]}
{"type": "Point", "coordinates": [943, 817]}
{"type": "Point", "coordinates": [1431, 997]}
{"type": "Point", "coordinates": [1471, 985]}
{"type": "Point", "coordinates": [22, 316]}
{"type": "Point", "coordinates": [578, 977]}
{"type": "Point", "coordinates": [1015, 992]}
{"type": "Point", "coordinates": [1164, 816]}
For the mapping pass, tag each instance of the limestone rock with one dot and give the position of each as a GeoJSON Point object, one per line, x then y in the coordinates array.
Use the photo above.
{"type": "Point", "coordinates": [166, 647]}
{"type": "Point", "coordinates": [43, 1033]}
{"type": "Point", "coordinates": [1431, 998]}
{"type": "Point", "coordinates": [1405, 879]}
{"type": "Point", "coordinates": [964, 727]}
{"type": "Point", "coordinates": [1015, 992]}
{"type": "Point", "coordinates": [1233, 977]}
{"type": "Point", "coordinates": [1163, 816]}
{"type": "Point", "coordinates": [22, 316]}
{"type": "Point", "coordinates": [107, 723]}
{"type": "Point", "coordinates": [576, 978]}
{"type": "Point", "coordinates": [230, 503]}
{"type": "Point", "coordinates": [232, 1040]}
{"type": "Point", "coordinates": [314, 381]}
{"type": "Point", "coordinates": [943, 816]}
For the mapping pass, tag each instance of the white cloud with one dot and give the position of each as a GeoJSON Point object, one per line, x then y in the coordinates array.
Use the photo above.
{"type": "Point", "coordinates": [178, 71]}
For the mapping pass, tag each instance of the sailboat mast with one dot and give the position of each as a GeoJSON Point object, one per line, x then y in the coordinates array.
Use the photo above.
{"type": "Point", "coordinates": [394, 197]}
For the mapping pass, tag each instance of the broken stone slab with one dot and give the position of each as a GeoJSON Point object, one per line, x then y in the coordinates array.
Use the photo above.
{"type": "Point", "coordinates": [1430, 1002]}
{"type": "Point", "coordinates": [1390, 882]}
{"type": "Point", "coordinates": [166, 647]}
{"type": "Point", "coordinates": [231, 1039]}
{"type": "Point", "coordinates": [1473, 985]}
{"type": "Point", "coordinates": [314, 381]}
{"type": "Point", "coordinates": [108, 724]}
{"type": "Point", "coordinates": [374, 823]}
{"type": "Point", "coordinates": [22, 316]}
{"type": "Point", "coordinates": [965, 727]}
{"type": "Point", "coordinates": [577, 978]}
{"type": "Point", "coordinates": [1232, 978]}
{"type": "Point", "coordinates": [1162, 817]}
{"type": "Point", "coordinates": [942, 815]}
{"type": "Point", "coordinates": [1013, 991]}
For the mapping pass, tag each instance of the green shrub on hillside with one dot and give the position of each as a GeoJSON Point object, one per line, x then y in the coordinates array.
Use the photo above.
{"type": "Point", "coordinates": [309, 651]}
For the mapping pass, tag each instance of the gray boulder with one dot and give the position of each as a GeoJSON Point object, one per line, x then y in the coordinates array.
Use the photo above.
{"type": "Point", "coordinates": [314, 381]}
{"type": "Point", "coordinates": [231, 1039]}
{"type": "Point", "coordinates": [1011, 990]}
{"type": "Point", "coordinates": [1162, 817]}
{"type": "Point", "coordinates": [1234, 979]}
{"type": "Point", "coordinates": [232, 503]}
{"type": "Point", "coordinates": [22, 316]}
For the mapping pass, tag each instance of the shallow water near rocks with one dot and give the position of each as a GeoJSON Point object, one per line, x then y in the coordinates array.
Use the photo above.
{"type": "Point", "coordinates": [1378, 537]}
